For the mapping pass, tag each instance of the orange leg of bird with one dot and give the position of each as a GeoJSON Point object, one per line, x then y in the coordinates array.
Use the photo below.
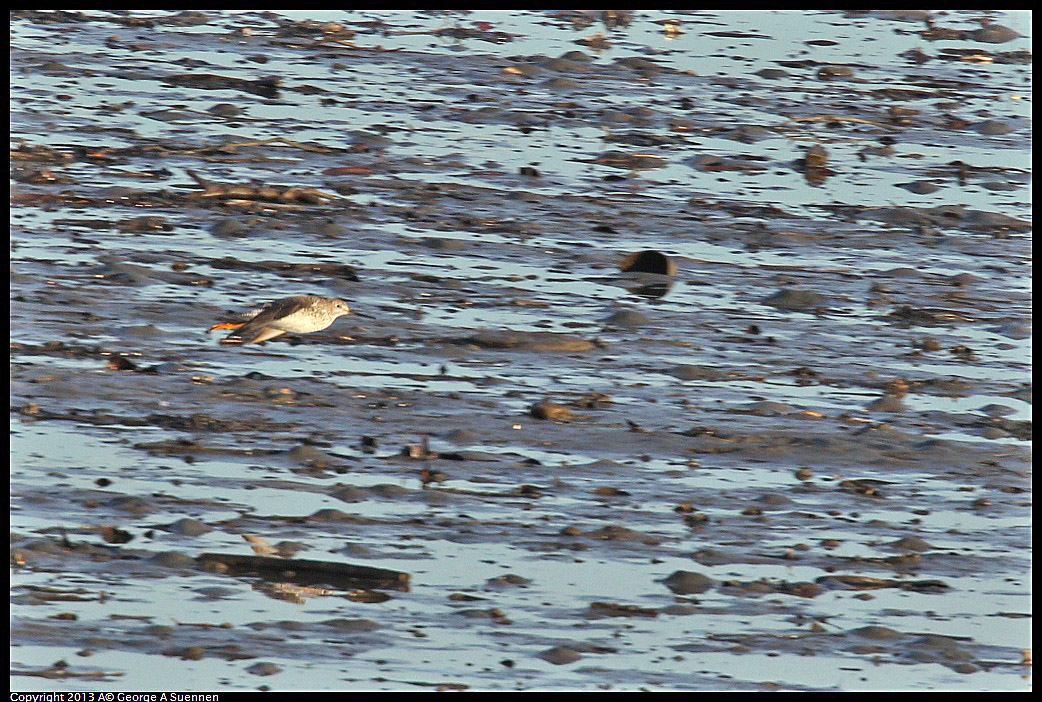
{"type": "Point", "coordinates": [226, 325]}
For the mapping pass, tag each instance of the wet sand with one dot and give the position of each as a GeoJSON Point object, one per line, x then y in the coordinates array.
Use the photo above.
{"type": "Point", "coordinates": [796, 458]}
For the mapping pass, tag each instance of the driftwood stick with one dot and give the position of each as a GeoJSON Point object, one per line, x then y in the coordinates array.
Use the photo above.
{"type": "Point", "coordinates": [267, 193]}
{"type": "Point", "coordinates": [300, 569]}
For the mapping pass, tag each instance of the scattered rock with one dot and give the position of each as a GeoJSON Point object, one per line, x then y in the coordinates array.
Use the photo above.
{"type": "Point", "coordinates": [796, 300]}
{"type": "Point", "coordinates": [544, 409]}
{"type": "Point", "coordinates": [559, 655]}
{"type": "Point", "coordinates": [684, 582]}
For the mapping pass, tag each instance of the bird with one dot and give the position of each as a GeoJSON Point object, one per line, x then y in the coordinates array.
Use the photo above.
{"type": "Point", "coordinates": [300, 314]}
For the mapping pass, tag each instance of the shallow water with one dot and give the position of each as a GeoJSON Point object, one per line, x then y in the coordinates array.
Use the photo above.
{"type": "Point", "coordinates": [711, 430]}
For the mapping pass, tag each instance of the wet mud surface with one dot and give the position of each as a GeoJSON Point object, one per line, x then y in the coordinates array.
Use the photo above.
{"type": "Point", "coordinates": [787, 449]}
